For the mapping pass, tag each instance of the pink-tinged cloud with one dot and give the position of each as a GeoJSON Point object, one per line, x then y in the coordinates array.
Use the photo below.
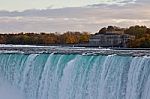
{"type": "Point", "coordinates": [89, 18]}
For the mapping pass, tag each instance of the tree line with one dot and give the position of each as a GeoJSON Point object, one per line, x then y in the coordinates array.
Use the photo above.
{"type": "Point", "coordinates": [45, 38]}
{"type": "Point", "coordinates": [142, 36]}
{"type": "Point", "coordinates": [141, 33]}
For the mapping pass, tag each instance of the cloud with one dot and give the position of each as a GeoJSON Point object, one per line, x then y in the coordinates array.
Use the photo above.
{"type": "Point", "coordinates": [89, 18]}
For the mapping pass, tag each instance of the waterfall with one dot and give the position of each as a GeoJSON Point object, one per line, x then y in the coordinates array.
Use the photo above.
{"type": "Point", "coordinates": [74, 76]}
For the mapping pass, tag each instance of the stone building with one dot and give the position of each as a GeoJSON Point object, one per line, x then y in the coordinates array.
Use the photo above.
{"type": "Point", "coordinates": [110, 39]}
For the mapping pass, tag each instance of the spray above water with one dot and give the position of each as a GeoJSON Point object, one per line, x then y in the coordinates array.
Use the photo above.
{"type": "Point", "coordinates": [7, 91]}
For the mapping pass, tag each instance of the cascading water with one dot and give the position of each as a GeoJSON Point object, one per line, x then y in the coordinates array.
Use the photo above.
{"type": "Point", "coordinates": [68, 76]}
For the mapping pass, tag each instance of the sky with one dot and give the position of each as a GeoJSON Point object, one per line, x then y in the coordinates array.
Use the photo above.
{"type": "Point", "coordinates": [71, 15]}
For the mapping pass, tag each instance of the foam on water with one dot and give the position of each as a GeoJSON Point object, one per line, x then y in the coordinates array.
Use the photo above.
{"type": "Point", "coordinates": [8, 91]}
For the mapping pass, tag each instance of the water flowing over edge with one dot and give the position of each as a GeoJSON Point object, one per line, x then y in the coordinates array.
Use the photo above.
{"type": "Point", "coordinates": [74, 76]}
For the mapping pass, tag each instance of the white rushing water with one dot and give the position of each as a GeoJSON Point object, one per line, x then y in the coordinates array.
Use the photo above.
{"type": "Point", "coordinates": [62, 76]}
